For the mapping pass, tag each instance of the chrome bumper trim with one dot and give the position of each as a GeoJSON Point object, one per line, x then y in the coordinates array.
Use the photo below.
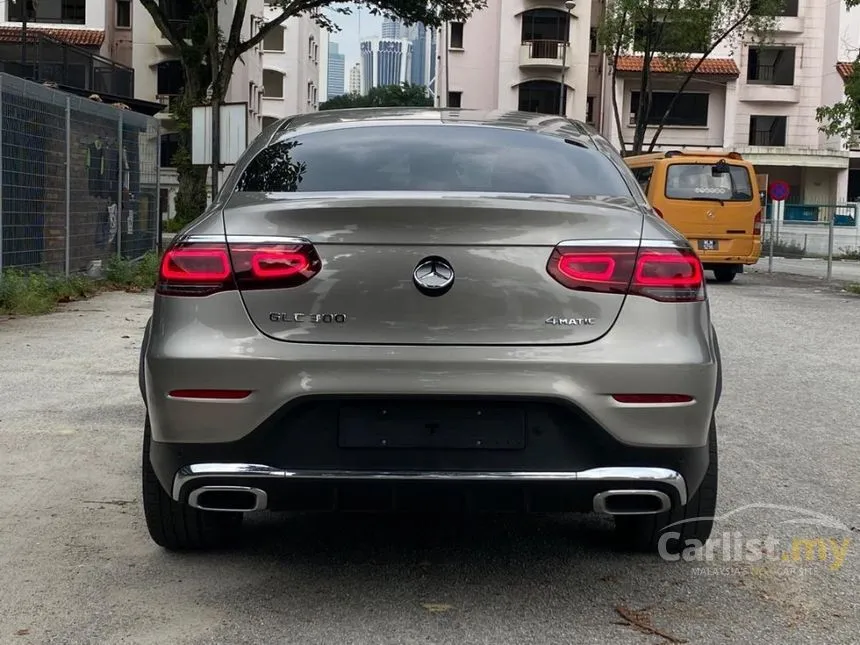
{"type": "Point", "coordinates": [638, 474]}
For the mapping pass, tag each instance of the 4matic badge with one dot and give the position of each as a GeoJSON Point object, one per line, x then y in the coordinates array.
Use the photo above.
{"type": "Point", "coordinates": [570, 322]}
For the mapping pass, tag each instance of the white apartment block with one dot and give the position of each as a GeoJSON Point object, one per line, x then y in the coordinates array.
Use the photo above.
{"type": "Point", "coordinates": [159, 77]}
{"type": "Point", "coordinates": [276, 78]}
{"type": "Point", "coordinates": [292, 60]}
{"type": "Point", "coordinates": [760, 100]}
{"type": "Point", "coordinates": [518, 55]}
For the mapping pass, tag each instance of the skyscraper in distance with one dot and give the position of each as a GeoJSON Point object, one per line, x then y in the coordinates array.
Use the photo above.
{"type": "Point", "coordinates": [391, 29]}
{"type": "Point", "coordinates": [385, 62]}
{"type": "Point", "coordinates": [336, 71]}
{"type": "Point", "coordinates": [355, 79]}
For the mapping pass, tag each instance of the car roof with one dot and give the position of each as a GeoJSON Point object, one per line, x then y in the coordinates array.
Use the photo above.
{"type": "Point", "coordinates": [554, 125]}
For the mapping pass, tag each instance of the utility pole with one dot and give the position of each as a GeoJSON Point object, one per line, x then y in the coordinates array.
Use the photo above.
{"type": "Point", "coordinates": [562, 89]}
{"type": "Point", "coordinates": [25, 9]}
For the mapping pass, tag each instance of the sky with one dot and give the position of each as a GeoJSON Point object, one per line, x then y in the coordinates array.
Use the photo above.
{"type": "Point", "coordinates": [353, 28]}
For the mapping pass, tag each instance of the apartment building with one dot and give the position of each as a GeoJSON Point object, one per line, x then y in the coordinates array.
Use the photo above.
{"type": "Point", "coordinates": [531, 55]}
{"type": "Point", "coordinates": [278, 77]}
{"type": "Point", "coordinates": [759, 100]}
{"type": "Point", "coordinates": [101, 27]}
{"type": "Point", "coordinates": [159, 77]}
{"type": "Point", "coordinates": [293, 65]}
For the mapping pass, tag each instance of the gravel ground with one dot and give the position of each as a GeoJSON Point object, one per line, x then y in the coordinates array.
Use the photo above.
{"type": "Point", "coordinates": [78, 567]}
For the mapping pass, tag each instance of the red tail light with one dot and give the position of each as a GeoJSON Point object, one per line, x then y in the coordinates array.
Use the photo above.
{"type": "Point", "coordinates": [757, 224]}
{"type": "Point", "coordinates": [666, 274]}
{"type": "Point", "coordinates": [201, 269]}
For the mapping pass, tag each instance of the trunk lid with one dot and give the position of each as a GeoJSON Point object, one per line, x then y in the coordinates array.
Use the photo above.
{"type": "Point", "coordinates": [370, 246]}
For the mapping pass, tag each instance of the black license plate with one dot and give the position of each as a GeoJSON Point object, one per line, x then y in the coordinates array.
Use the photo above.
{"type": "Point", "coordinates": [452, 427]}
{"type": "Point", "coordinates": [709, 245]}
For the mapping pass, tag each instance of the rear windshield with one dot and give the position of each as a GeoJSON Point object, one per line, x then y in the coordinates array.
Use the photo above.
{"type": "Point", "coordinates": [698, 181]}
{"type": "Point", "coordinates": [432, 158]}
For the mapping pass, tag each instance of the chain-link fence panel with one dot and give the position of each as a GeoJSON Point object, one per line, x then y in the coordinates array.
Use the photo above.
{"type": "Point", "coordinates": [33, 191]}
{"type": "Point", "coordinates": [79, 180]}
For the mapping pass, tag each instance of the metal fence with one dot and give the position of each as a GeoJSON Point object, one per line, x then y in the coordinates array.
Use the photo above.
{"type": "Point", "coordinates": [816, 240]}
{"type": "Point", "coordinates": [79, 180]}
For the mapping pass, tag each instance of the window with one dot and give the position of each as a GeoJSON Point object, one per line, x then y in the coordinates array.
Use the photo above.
{"type": "Point", "coordinates": [311, 47]}
{"type": "Point", "coordinates": [432, 158]}
{"type": "Point", "coordinates": [768, 130]}
{"type": "Point", "coordinates": [269, 120]}
{"type": "Point", "coordinates": [171, 78]}
{"type": "Point", "coordinates": [123, 14]}
{"type": "Point", "coordinates": [455, 99]}
{"type": "Point", "coordinates": [72, 12]}
{"type": "Point", "coordinates": [705, 182]}
{"type": "Point", "coordinates": [691, 108]}
{"type": "Point", "coordinates": [771, 65]}
{"type": "Point", "coordinates": [542, 97]}
{"type": "Point", "coordinates": [589, 110]}
{"type": "Point", "coordinates": [456, 41]}
{"type": "Point", "coordinates": [592, 41]}
{"type": "Point", "coordinates": [643, 177]}
{"type": "Point", "coordinates": [785, 8]}
{"type": "Point", "coordinates": [273, 84]}
{"type": "Point", "coordinates": [252, 93]}
{"type": "Point", "coordinates": [274, 40]}
{"type": "Point", "coordinates": [168, 148]}
{"type": "Point", "coordinates": [682, 35]}
{"type": "Point", "coordinates": [545, 25]}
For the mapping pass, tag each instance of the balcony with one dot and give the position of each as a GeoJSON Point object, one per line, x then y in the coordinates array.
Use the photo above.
{"type": "Point", "coordinates": [51, 60]}
{"type": "Point", "coordinates": [759, 93]}
{"type": "Point", "coordinates": [169, 102]}
{"type": "Point", "coordinates": [542, 53]}
{"type": "Point", "coordinates": [789, 25]}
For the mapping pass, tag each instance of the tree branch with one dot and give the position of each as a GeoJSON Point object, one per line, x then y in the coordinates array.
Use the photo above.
{"type": "Point", "coordinates": [163, 23]}
{"type": "Point", "coordinates": [295, 8]}
{"type": "Point", "coordinates": [692, 73]}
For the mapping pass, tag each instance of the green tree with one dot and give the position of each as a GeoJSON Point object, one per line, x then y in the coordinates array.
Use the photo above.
{"type": "Point", "coordinates": [208, 55]}
{"type": "Point", "coordinates": [842, 119]}
{"type": "Point", "coordinates": [383, 96]}
{"type": "Point", "coordinates": [679, 35]}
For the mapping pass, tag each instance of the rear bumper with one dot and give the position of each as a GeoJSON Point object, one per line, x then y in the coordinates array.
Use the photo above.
{"type": "Point", "coordinates": [652, 348]}
{"type": "Point", "coordinates": [297, 458]}
{"type": "Point", "coordinates": [277, 489]}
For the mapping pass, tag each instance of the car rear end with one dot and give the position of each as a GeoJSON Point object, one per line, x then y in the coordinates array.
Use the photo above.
{"type": "Point", "coordinates": [396, 314]}
{"type": "Point", "coordinates": [714, 202]}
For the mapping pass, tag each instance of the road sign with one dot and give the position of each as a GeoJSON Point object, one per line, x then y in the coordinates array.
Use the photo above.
{"type": "Point", "coordinates": [779, 191]}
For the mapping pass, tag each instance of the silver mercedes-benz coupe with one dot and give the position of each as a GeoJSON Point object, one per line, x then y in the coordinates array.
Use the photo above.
{"type": "Point", "coordinates": [412, 308]}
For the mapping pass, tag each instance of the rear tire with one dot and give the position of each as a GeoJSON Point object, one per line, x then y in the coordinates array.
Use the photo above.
{"type": "Point", "coordinates": [647, 532]}
{"type": "Point", "coordinates": [725, 274]}
{"type": "Point", "coordinates": [176, 526]}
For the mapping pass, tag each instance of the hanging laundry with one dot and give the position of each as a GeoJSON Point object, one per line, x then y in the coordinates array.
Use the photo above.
{"type": "Point", "coordinates": [96, 168]}
{"type": "Point", "coordinates": [113, 220]}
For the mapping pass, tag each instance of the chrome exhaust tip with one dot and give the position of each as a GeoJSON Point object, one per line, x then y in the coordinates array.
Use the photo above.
{"type": "Point", "coordinates": [228, 499]}
{"type": "Point", "coordinates": [631, 502]}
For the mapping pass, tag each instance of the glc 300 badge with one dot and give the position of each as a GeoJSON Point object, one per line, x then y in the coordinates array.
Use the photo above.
{"type": "Point", "coordinates": [570, 322]}
{"type": "Point", "coordinates": [277, 316]}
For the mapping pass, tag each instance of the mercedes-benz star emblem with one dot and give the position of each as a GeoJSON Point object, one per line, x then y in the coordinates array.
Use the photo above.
{"type": "Point", "coordinates": [433, 276]}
